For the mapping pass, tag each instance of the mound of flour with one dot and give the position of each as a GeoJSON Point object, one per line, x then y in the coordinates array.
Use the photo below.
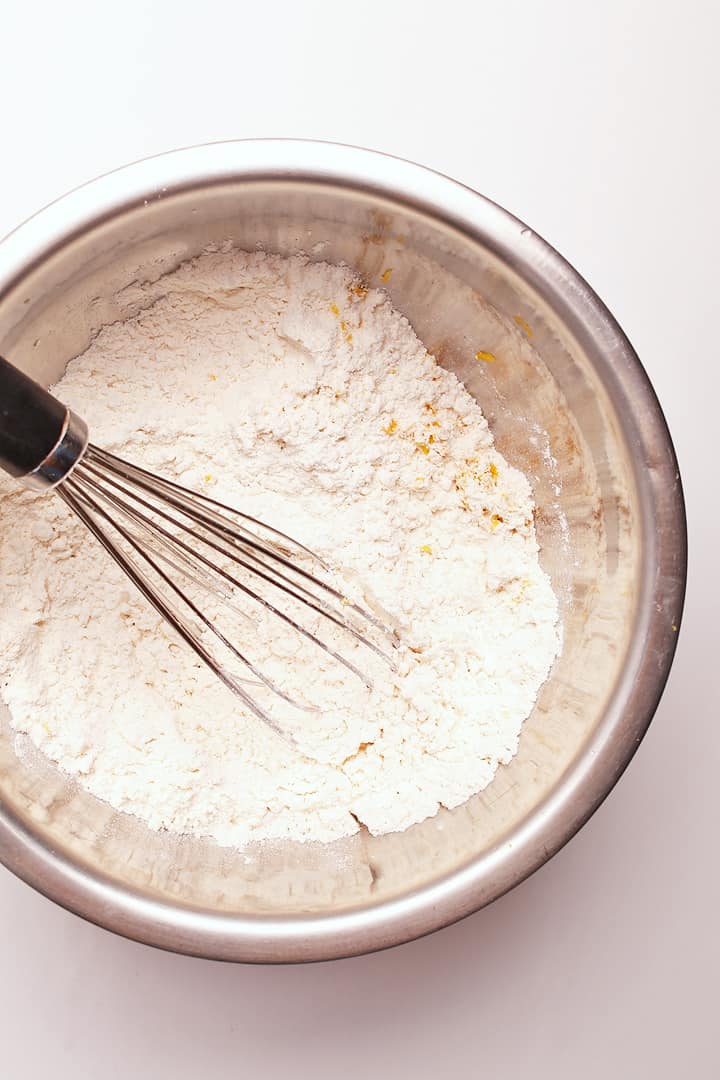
{"type": "Point", "coordinates": [292, 391]}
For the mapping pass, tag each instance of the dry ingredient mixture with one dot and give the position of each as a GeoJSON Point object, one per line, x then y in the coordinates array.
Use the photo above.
{"type": "Point", "coordinates": [296, 393]}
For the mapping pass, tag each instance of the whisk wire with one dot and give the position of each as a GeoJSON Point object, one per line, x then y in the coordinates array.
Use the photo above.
{"type": "Point", "coordinates": [173, 545]}
{"type": "Point", "coordinates": [185, 502]}
{"type": "Point", "coordinates": [275, 577]}
{"type": "Point", "coordinates": [162, 524]}
{"type": "Point", "coordinates": [81, 509]}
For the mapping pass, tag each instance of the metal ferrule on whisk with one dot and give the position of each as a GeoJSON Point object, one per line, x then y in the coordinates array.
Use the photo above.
{"type": "Point", "coordinates": [67, 452]}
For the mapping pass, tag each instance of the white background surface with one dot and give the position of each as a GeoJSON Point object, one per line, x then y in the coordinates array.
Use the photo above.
{"type": "Point", "coordinates": [597, 124]}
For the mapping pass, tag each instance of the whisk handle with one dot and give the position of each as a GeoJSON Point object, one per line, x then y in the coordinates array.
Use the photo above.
{"type": "Point", "coordinates": [40, 438]}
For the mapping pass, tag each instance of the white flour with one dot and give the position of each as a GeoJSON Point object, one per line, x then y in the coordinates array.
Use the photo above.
{"type": "Point", "coordinates": [289, 390]}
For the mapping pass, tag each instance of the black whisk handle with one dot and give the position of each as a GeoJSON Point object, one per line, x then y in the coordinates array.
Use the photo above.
{"type": "Point", "coordinates": [40, 438]}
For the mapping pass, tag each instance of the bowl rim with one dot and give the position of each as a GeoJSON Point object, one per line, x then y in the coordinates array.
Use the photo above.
{"type": "Point", "coordinates": [591, 777]}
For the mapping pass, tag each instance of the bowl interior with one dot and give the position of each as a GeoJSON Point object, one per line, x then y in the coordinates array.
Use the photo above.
{"type": "Point", "coordinates": [551, 417]}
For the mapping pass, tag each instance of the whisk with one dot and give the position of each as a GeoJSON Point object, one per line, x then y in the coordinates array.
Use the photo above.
{"type": "Point", "coordinates": [193, 558]}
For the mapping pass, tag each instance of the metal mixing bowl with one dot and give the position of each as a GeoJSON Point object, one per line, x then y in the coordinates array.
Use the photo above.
{"type": "Point", "coordinates": [569, 404]}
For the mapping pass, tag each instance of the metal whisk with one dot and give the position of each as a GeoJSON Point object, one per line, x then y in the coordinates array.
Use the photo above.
{"type": "Point", "coordinates": [193, 558]}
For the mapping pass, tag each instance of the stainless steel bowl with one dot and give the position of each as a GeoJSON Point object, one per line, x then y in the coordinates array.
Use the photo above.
{"type": "Point", "coordinates": [569, 404]}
